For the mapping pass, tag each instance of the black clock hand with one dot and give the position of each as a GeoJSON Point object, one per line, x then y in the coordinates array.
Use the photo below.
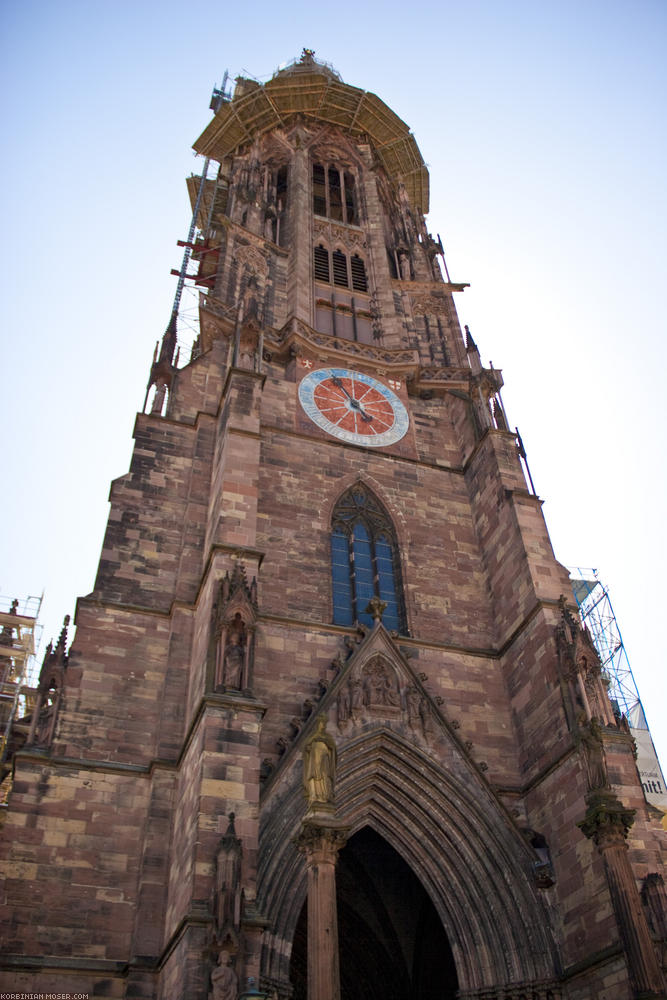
{"type": "Point", "coordinates": [356, 405]}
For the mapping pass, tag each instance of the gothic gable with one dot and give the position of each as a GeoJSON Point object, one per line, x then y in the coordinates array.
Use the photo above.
{"type": "Point", "coordinates": [403, 771]}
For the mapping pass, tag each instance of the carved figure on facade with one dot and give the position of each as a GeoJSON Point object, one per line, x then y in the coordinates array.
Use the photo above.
{"type": "Point", "coordinates": [319, 765]}
{"type": "Point", "coordinates": [224, 981]}
{"type": "Point", "coordinates": [404, 263]}
{"type": "Point", "coordinates": [234, 654]}
{"type": "Point", "coordinates": [344, 705]}
{"type": "Point", "coordinates": [250, 305]}
{"type": "Point", "coordinates": [380, 684]}
{"type": "Point", "coordinates": [356, 699]}
{"type": "Point", "coordinates": [232, 632]}
{"type": "Point", "coordinates": [412, 704]}
{"type": "Point", "coordinates": [592, 748]}
{"type": "Point", "coordinates": [426, 717]}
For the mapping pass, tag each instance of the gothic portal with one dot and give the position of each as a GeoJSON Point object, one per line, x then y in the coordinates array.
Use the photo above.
{"type": "Point", "coordinates": [330, 721]}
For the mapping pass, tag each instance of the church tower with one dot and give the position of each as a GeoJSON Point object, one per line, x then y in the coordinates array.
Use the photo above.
{"type": "Point", "coordinates": [330, 727]}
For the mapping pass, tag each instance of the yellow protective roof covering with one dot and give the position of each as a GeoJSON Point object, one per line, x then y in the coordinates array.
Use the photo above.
{"type": "Point", "coordinates": [262, 107]}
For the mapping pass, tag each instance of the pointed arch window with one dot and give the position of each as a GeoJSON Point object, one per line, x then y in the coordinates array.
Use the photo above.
{"type": "Point", "coordinates": [364, 561]}
{"type": "Point", "coordinates": [334, 194]}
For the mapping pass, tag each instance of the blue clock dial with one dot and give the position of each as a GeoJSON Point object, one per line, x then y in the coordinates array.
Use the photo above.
{"type": "Point", "coordinates": [353, 407]}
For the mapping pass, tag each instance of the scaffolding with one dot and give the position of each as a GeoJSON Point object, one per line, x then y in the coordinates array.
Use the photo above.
{"type": "Point", "coordinates": [597, 615]}
{"type": "Point", "coordinates": [18, 666]}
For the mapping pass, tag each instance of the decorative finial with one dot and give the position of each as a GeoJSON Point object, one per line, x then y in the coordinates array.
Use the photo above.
{"type": "Point", "coordinates": [470, 343]}
{"type": "Point", "coordinates": [307, 55]}
{"type": "Point", "coordinates": [62, 640]}
{"type": "Point", "coordinates": [376, 607]}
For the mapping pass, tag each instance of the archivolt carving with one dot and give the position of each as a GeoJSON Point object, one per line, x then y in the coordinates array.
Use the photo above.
{"type": "Point", "coordinates": [451, 832]}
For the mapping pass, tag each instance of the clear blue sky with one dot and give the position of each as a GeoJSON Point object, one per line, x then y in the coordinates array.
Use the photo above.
{"type": "Point", "coordinates": [543, 125]}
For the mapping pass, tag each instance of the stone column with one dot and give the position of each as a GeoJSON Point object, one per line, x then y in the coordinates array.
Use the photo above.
{"type": "Point", "coordinates": [607, 823]}
{"type": "Point", "coordinates": [320, 840]}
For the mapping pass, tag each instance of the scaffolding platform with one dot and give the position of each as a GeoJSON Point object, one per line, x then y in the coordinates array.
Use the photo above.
{"type": "Point", "coordinates": [597, 616]}
{"type": "Point", "coordinates": [18, 666]}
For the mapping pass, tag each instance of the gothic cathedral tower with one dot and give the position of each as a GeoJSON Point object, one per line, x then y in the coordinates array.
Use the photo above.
{"type": "Point", "coordinates": [330, 721]}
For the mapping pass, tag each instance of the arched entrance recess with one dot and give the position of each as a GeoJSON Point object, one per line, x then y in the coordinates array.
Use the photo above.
{"type": "Point", "coordinates": [449, 830]}
{"type": "Point", "coordinates": [392, 944]}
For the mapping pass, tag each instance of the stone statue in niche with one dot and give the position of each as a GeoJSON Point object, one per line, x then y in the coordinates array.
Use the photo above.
{"type": "Point", "coordinates": [319, 765]}
{"type": "Point", "coordinates": [234, 615]}
{"type": "Point", "coordinates": [250, 299]}
{"type": "Point", "coordinates": [234, 655]}
{"type": "Point", "coordinates": [224, 983]}
{"type": "Point", "coordinates": [594, 758]}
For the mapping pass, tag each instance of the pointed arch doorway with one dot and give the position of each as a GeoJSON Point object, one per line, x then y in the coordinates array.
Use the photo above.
{"type": "Point", "coordinates": [392, 943]}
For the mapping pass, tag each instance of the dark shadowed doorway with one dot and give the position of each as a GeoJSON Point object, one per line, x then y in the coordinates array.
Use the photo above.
{"type": "Point", "coordinates": [392, 943]}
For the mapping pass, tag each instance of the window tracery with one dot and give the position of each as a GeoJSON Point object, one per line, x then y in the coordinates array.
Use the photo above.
{"type": "Point", "coordinates": [364, 561]}
{"type": "Point", "coordinates": [334, 194]}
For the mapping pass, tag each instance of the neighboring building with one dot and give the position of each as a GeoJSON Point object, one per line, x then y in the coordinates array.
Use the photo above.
{"type": "Point", "coordinates": [326, 685]}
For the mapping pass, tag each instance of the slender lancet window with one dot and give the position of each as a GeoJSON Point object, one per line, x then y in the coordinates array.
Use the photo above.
{"type": "Point", "coordinates": [364, 561]}
{"type": "Point", "coordinates": [334, 194]}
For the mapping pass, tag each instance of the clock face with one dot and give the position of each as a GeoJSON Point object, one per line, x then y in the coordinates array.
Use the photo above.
{"type": "Point", "coordinates": [353, 407]}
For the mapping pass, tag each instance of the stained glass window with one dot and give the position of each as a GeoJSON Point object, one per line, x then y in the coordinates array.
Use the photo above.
{"type": "Point", "coordinates": [364, 561]}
